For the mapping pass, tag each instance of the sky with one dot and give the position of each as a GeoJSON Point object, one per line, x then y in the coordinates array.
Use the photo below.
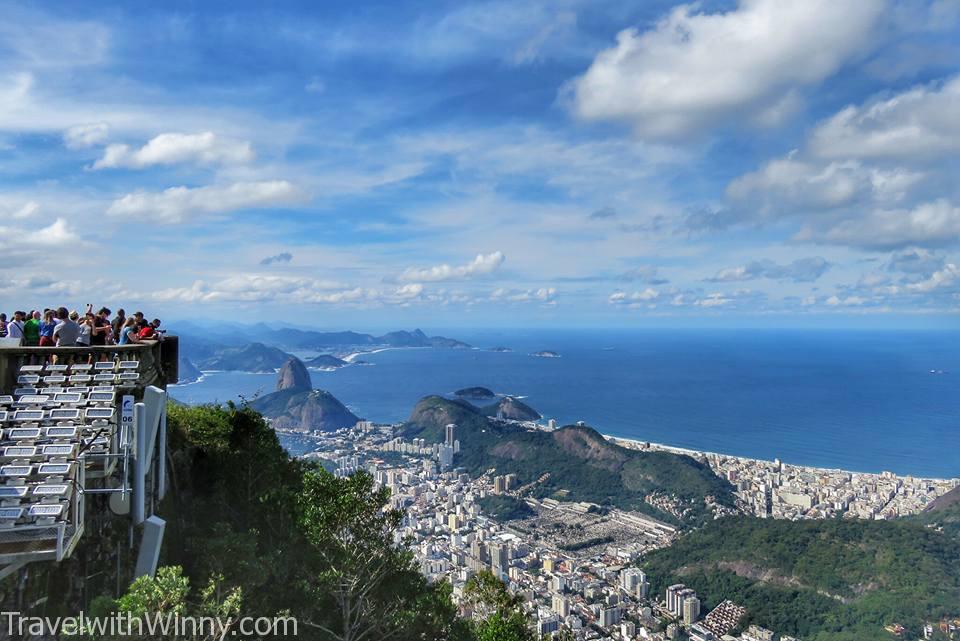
{"type": "Point", "coordinates": [539, 163]}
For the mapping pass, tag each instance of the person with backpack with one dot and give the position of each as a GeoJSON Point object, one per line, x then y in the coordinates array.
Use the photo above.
{"type": "Point", "coordinates": [15, 327]}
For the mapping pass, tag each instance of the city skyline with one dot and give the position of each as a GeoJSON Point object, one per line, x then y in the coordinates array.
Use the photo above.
{"type": "Point", "coordinates": [487, 164]}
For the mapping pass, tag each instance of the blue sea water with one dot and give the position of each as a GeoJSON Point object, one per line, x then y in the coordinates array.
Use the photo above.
{"type": "Point", "coordinates": [863, 401]}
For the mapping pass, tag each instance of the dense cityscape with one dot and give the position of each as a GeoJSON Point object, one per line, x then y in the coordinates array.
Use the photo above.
{"type": "Point", "coordinates": [574, 562]}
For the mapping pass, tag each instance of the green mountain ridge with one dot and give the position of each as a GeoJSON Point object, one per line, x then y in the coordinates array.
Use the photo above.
{"type": "Point", "coordinates": [943, 514]}
{"type": "Point", "coordinates": [819, 580]}
{"type": "Point", "coordinates": [582, 465]}
{"type": "Point", "coordinates": [512, 409]}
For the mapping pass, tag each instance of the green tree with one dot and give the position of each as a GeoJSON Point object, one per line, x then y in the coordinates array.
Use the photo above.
{"type": "Point", "coordinates": [168, 595]}
{"type": "Point", "coordinates": [498, 615]}
{"type": "Point", "coordinates": [364, 586]}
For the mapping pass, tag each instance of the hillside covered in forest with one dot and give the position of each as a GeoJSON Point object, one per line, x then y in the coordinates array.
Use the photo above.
{"type": "Point", "coordinates": [578, 462]}
{"type": "Point", "coordinates": [836, 580]}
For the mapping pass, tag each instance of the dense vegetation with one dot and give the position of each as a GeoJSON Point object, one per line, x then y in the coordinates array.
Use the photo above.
{"type": "Point", "coordinates": [505, 508]}
{"type": "Point", "coordinates": [275, 535]}
{"type": "Point", "coordinates": [513, 409]}
{"type": "Point", "coordinates": [581, 464]}
{"type": "Point", "coordinates": [944, 514]}
{"type": "Point", "coordinates": [264, 535]}
{"type": "Point", "coordinates": [840, 580]}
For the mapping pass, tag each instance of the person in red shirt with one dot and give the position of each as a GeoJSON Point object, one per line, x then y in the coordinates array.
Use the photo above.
{"type": "Point", "coordinates": [150, 331]}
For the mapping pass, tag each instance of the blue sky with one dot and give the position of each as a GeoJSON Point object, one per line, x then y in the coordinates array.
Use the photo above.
{"type": "Point", "coordinates": [596, 163]}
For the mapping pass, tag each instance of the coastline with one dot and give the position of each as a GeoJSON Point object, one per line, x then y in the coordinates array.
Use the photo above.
{"type": "Point", "coordinates": [353, 355]}
{"type": "Point", "coordinates": [637, 444]}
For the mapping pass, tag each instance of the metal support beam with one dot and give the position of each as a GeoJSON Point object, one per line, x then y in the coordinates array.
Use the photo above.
{"type": "Point", "coordinates": [162, 457]}
{"type": "Point", "coordinates": [138, 498]}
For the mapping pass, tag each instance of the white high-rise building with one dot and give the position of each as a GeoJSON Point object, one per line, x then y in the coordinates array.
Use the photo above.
{"type": "Point", "coordinates": [672, 601]}
{"type": "Point", "coordinates": [691, 610]}
{"type": "Point", "coordinates": [561, 605]}
{"type": "Point", "coordinates": [445, 456]}
{"type": "Point", "coordinates": [609, 616]}
{"type": "Point", "coordinates": [682, 596]}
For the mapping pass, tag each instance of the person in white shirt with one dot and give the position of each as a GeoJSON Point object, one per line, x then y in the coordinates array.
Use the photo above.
{"type": "Point", "coordinates": [15, 327]}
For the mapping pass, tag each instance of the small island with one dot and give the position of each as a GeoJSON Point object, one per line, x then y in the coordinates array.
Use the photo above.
{"type": "Point", "coordinates": [326, 362]}
{"type": "Point", "coordinates": [500, 349]}
{"type": "Point", "coordinates": [475, 393]}
{"type": "Point", "coordinates": [546, 353]}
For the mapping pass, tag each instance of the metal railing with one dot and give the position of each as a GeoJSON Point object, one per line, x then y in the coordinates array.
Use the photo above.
{"type": "Point", "coordinates": [158, 359]}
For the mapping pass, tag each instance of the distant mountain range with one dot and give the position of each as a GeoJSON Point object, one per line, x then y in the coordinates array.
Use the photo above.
{"type": "Point", "coordinates": [254, 357]}
{"type": "Point", "coordinates": [261, 348]}
{"type": "Point", "coordinates": [305, 340]}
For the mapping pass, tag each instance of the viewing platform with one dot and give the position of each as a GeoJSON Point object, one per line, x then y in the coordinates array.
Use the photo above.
{"type": "Point", "coordinates": [76, 422]}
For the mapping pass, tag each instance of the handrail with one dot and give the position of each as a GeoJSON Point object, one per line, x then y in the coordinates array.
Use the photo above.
{"type": "Point", "coordinates": [158, 359]}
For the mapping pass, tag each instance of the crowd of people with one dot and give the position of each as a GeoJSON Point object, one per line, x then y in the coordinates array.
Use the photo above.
{"type": "Point", "coordinates": [62, 328]}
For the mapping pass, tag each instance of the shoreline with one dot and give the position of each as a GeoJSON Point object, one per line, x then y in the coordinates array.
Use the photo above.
{"type": "Point", "coordinates": [632, 443]}
{"type": "Point", "coordinates": [353, 355]}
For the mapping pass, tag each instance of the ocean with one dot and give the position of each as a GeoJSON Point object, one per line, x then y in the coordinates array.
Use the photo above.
{"type": "Point", "coordinates": [855, 400]}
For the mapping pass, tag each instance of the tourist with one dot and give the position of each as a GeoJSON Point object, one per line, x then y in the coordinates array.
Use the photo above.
{"type": "Point", "coordinates": [117, 323]}
{"type": "Point", "coordinates": [31, 329]}
{"type": "Point", "coordinates": [101, 327]}
{"type": "Point", "coordinates": [3, 325]}
{"type": "Point", "coordinates": [128, 333]}
{"type": "Point", "coordinates": [67, 330]}
{"type": "Point", "coordinates": [150, 330]}
{"type": "Point", "coordinates": [15, 327]}
{"type": "Point", "coordinates": [47, 325]}
{"type": "Point", "coordinates": [86, 330]}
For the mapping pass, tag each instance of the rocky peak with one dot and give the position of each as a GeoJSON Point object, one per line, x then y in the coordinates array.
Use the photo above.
{"type": "Point", "coordinates": [294, 375]}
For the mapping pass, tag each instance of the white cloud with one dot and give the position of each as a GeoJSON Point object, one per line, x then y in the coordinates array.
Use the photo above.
{"type": "Point", "coordinates": [786, 184]}
{"type": "Point", "coordinates": [83, 136]}
{"type": "Point", "coordinates": [716, 299]}
{"type": "Point", "coordinates": [173, 205]}
{"type": "Point", "coordinates": [39, 41]}
{"type": "Point", "coordinates": [17, 209]}
{"type": "Point", "coordinates": [259, 288]}
{"type": "Point", "coordinates": [932, 223]}
{"type": "Point", "coordinates": [849, 301]}
{"type": "Point", "coordinates": [410, 290]}
{"type": "Point", "coordinates": [27, 245]}
{"type": "Point", "coordinates": [694, 69]}
{"type": "Point", "coordinates": [634, 299]}
{"type": "Point", "coordinates": [915, 260]}
{"type": "Point", "coordinates": [481, 265]}
{"type": "Point", "coordinates": [923, 122]}
{"type": "Point", "coordinates": [544, 295]}
{"type": "Point", "coordinates": [942, 278]}
{"type": "Point", "coordinates": [175, 148]}
{"type": "Point", "coordinates": [802, 270]}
